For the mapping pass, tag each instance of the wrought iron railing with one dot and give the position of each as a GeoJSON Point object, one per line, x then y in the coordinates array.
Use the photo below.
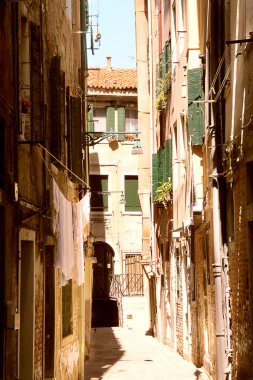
{"type": "Point", "coordinates": [126, 285]}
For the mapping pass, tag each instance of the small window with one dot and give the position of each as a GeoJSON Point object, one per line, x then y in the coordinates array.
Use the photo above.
{"type": "Point", "coordinates": [131, 193]}
{"type": "Point", "coordinates": [133, 263]}
{"type": "Point", "coordinates": [67, 317]}
{"type": "Point", "coordinates": [99, 192]}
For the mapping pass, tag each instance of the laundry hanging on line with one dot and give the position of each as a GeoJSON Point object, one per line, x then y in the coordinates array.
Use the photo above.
{"type": "Point", "coordinates": [70, 227]}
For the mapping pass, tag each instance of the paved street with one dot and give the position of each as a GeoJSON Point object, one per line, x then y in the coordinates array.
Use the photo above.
{"type": "Point", "coordinates": [121, 354]}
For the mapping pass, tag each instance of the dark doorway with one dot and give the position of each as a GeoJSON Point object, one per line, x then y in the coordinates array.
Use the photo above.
{"type": "Point", "coordinates": [104, 307]}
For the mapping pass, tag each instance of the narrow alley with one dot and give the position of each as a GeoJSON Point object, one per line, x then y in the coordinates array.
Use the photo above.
{"type": "Point", "coordinates": [122, 354]}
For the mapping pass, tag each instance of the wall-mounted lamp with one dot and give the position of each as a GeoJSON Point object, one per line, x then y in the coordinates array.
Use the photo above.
{"type": "Point", "coordinates": [94, 138]}
{"type": "Point", "coordinates": [122, 200]}
{"type": "Point", "coordinates": [137, 149]}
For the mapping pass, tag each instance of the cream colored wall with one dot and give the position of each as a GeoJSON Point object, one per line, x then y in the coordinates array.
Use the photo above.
{"type": "Point", "coordinates": [144, 123]}
{"type": "Point", "coordinates": [121, 230]}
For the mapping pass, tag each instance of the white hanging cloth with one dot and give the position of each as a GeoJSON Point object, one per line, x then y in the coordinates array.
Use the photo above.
{"type": "Point", "coordinates": [70, 225]}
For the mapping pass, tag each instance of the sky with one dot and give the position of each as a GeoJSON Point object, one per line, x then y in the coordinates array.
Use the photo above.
{"type": "Point", "coordinates": [116, 24]}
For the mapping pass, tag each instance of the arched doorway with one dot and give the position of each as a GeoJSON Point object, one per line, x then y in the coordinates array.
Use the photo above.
{"type": "Point", "coordinates": [104, 307]}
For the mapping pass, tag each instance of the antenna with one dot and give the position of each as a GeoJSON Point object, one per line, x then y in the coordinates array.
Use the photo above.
{"type": "Point", "coordinates": [96, 25]}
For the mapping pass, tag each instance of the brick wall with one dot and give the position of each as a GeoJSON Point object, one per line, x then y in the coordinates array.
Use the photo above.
{"type": "Point", "coordinates": [239, 283]}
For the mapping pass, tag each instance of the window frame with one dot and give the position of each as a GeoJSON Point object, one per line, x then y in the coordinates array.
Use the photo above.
{"type": "Point", "coordinates": [94, 193]}
{"type": "Point", "coordinates": [65, 313]}
{"type": "Point", "coordinates": [134, 209]}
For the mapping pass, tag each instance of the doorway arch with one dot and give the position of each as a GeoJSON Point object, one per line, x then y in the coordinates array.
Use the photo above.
{"type": "Point", "coordinates": [104, 307]}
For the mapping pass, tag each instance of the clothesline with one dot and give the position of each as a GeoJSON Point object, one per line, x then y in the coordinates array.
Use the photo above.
{"type": "Point", "coordinates": [61, 163]}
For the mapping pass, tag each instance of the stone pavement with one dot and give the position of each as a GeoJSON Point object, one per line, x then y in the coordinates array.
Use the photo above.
{"type": "Point", "coordinates": [121, 354]}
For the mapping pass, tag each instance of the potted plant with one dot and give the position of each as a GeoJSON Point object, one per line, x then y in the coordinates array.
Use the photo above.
{"type": "Point", "coordinates": [164, 192]}
{"type": "Point", "coordinates": [162, 89]}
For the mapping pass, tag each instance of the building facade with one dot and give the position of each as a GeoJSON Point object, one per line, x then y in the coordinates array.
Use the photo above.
{"type": "Point", "coordinates": [201, 116]}
{"type": "Point", "coordinates": [42, 116]}
{"type": "Point", "coordinates": [116, 215]}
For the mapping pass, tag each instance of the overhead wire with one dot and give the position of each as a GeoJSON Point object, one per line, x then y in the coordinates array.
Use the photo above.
{"type": "Point", "coordinates": [63, 165]}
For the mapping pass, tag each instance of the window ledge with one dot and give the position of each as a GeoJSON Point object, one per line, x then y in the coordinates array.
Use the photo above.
{"type": "Point", "coordinates": [134, 213]}
{"type": "Point", "coordinates": [101, 213]}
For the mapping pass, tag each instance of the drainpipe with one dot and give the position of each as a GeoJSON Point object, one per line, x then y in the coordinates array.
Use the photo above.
{"type": "Point", "coordinates": [217, 48]}
{"type": "Point", "coordinates": [150, 47]}
{"type": "Point", "coordinates": [151, 147]}
{"type": "Point", "coordinates": [217, 271]}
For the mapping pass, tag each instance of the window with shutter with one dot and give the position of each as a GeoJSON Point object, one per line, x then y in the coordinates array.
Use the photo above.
{"type": "Point", "coordinates": [110, 119]}
{"type": "Point", "coordinates": [195, 110]}
{"type": "Point", "coordinates": [36, 101]}
{"type": "Point", "coordinates": [131, 193]}
{"type": "Point", "coordinates": [98, 185]}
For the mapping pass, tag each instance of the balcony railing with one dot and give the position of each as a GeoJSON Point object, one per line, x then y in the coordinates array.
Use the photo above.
{"type": "Point", "coordinates": [126, 285]}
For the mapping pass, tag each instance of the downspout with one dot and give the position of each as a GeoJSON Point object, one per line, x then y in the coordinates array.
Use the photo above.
{"type": "Point", "coordinates": [151, 150]}
{"type": "Point", "coordinates": [216, 120]}
{"type": "Point", "coordinates": [217, 272]}
{"type": "Point", "coordinates": [150, 47]}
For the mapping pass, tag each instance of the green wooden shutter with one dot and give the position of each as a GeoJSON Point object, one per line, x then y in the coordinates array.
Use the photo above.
{"type": "Point", "coordinates": [195, 110]}
{"type": "Point", "coordinates": [131, 194]}
{"type": "Point", "coordinates": [76, 146]}
{"type": "Point", "coordinates": [110, 119]}
{"type": "Point", "coordinates": [90, 120]}
{"type": "Point", "coordinates": [161, 166]}
{"type": "Point", "coordinates": [104, 186]}
{"type": "Point", "coordinates": [36, 93]}
{"type": "Point", "coordinates": [121, 122]}
{"type": "Point", "coordinates": [168, 158]}
{"type": "Point", "coordinates": [154, 174]}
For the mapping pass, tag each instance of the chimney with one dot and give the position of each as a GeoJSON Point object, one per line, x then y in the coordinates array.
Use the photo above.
{"type": "Point", "coordinates": [108, 63]}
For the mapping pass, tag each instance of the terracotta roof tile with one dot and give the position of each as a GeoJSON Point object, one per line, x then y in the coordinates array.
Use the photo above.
{"type": "Point", "coordinates": [112, 79]}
